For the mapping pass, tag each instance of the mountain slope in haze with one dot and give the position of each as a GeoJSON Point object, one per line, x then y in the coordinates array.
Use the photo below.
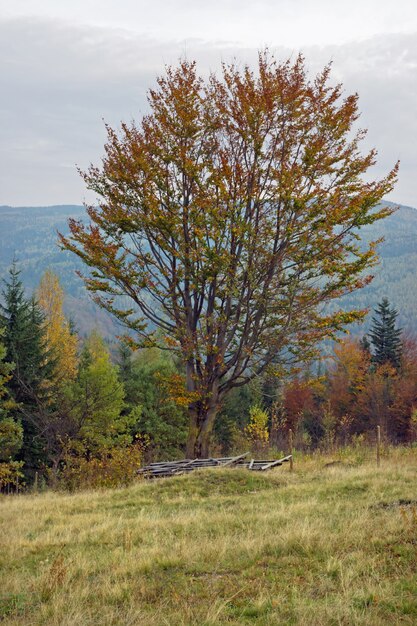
{"type": "Point", "coordinates": [395, 277]}
{"type": "Point", "coordinates": [29, 234]}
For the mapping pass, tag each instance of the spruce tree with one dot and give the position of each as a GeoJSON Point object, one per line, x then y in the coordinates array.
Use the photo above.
{"type": "Point", "coordinates": [5, 375]}
{"type": "Point", "coordinates": [385, 336]}
{"type": "Point", "coordinates": [11, 434]}
{"type": "Point", "coordinates": [29, 384]}
{"type": "Point", "coordinates": [365, 345]}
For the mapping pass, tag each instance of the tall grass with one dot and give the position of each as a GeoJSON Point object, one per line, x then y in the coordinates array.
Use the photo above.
{"type": "Point", "coordinates": [335, 542]}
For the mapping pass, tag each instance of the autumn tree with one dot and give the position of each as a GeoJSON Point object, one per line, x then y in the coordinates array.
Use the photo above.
{"type": "Point", "coordinates": [298, 403]}
{"type": "Point", "coordinates": [348, 376]}
{"type": "Point", "coordinates": [404, 405]}
{"type": "Point", "coordinates": [228, 217]}
{"type": "Point", "coordinates": [95, 401]}
{"type": "Point", "coordinates": [61, 342]}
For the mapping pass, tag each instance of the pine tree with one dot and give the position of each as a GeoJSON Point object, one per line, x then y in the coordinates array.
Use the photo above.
{"type": "Point", "coordinates": [11, 433]}
{"type": "Point", "coordinates": [5, 375]}
{"type": "Point", "coordinates": [385, 336]}
{"type": "Point", "coordinates": [365, 345]}
{"type": "Point", "coordinates": [125, 362]}
{"type": "Point", "coordinates": [24, 341]}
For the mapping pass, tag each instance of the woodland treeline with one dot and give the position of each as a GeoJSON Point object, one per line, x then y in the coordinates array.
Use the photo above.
{"type": "Point", "coordinates": [74, 413]}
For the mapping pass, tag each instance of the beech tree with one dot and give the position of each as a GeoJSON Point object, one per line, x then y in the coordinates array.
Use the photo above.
{"type": "Point", "coordinates": [229, 217]}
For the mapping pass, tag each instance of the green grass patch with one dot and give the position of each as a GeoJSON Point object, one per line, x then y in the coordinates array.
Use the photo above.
{"type": "Point", "coordinates": [327, 544]}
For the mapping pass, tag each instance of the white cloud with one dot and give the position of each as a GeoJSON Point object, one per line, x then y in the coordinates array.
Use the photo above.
{"type": "Point", "coordinates": [275, 22]}
{"type": "Point", "coordinates": [59, 81]}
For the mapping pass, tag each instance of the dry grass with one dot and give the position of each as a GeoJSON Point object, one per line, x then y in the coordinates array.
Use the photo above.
{"type": "Point", "coordinates": [325, 545]}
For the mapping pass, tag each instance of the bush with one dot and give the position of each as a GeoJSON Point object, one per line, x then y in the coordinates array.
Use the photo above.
{"type": "Point", "coordinates": [257, 429]}
{"type": "Point", "coordinates": [11, 476]}
{"type": "Point", "coordinates": [11, 438]}
{"type": "Point", "coordinates": [115, 468]}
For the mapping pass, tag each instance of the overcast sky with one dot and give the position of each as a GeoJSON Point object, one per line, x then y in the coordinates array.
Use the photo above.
{"type": "Point", "coordinates": [64, 66]}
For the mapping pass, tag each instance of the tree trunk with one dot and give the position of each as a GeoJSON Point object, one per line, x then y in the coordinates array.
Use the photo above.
{"type": "Point", "coordinates": [200, 429]}
{"type": "Point", "coordinates": [202, 413]}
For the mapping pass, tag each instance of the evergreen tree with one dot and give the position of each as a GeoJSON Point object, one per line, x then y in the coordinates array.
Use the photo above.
{"type": "Point", "coordinates": [11, 433]}
{"type": "Point", "coordinates": [365, 345]}
{"type": "Point", "coordinates": [95, 401]}
{"type": "Point", "coordinates": [125, 363]}
{"type": "Point", "coordinates": [24, 341]}
{"type": "Point", "coordinates": [385, 336]}
{"type": "Point", "coordinates": [153, 411]}
{"type": "Point", "coordinates": [5, 375]}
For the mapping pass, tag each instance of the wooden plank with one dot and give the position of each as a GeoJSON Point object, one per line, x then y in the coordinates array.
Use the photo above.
{"type": "Point", "coordinates": [171, 468]}
{"type": "Point", "coordinates": [235, 459]}
{"type": "Point", "coordinates": [275, 463]}
{"type": "Point", "coordinates": [177, 471]}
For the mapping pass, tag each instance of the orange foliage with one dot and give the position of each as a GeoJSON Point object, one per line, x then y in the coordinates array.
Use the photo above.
{"type": "Point", "coordinates": [61, 343]}
{"type": "Point", "coordinates": [228, 217]}
{"type": "Point", "coordinates": [298, 399]}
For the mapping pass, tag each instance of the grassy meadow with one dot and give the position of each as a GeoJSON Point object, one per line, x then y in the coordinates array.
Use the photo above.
{"type": "Point", "coordinates": [335, 542]}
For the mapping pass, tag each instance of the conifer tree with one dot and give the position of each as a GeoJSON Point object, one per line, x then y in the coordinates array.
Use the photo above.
{"type": "Point", "coordinates": [11, 433]}
{"type": "Point", "coordinates": [5, 375]}
{"type": "Point", "coordinates": [385, 336]}
{"type": "Point", "coordinates": [60, 340]}
{"type": "Point", "coordinates": [24, 341]}
{"type": "Point", "coordinates": [365, 345]}
{"type": "Point", "coordinates": [153, 411]}
{"type": "Point", "coordinates": [125, 362]}
{"type": "Point", "coordinates": [95, 401]}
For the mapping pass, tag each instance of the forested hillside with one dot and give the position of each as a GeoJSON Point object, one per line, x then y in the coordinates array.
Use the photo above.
{"type": "Point", "coordinates": [396, 275]}
{"type": "Point", "coordinates": [30, 235]}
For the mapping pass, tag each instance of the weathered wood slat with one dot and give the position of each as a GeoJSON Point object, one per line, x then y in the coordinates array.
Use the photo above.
{"type": "Point", "coordinates": [161, 469]}
{"type": "Point", "coordinates": [277, 462]}
{"type": "Point", "coordinates": [235, 459]}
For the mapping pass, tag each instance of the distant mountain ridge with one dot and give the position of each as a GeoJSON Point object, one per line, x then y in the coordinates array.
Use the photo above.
{"type": "Point", "coordinates": [29, 234]}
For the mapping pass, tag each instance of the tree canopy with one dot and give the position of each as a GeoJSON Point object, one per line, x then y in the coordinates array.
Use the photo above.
{"type": "Point", "coordinates": [58, 337]}
{"type": "Point", "coordinates": [229, 217]}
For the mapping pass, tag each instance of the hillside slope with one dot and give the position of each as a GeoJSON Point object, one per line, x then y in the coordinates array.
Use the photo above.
{"type": "Point", "coordinates": [30, 235]}
{"type": "Point", "coordinates": [328, 544]}
{"type": "Point", "coordinates": [396, 275]}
